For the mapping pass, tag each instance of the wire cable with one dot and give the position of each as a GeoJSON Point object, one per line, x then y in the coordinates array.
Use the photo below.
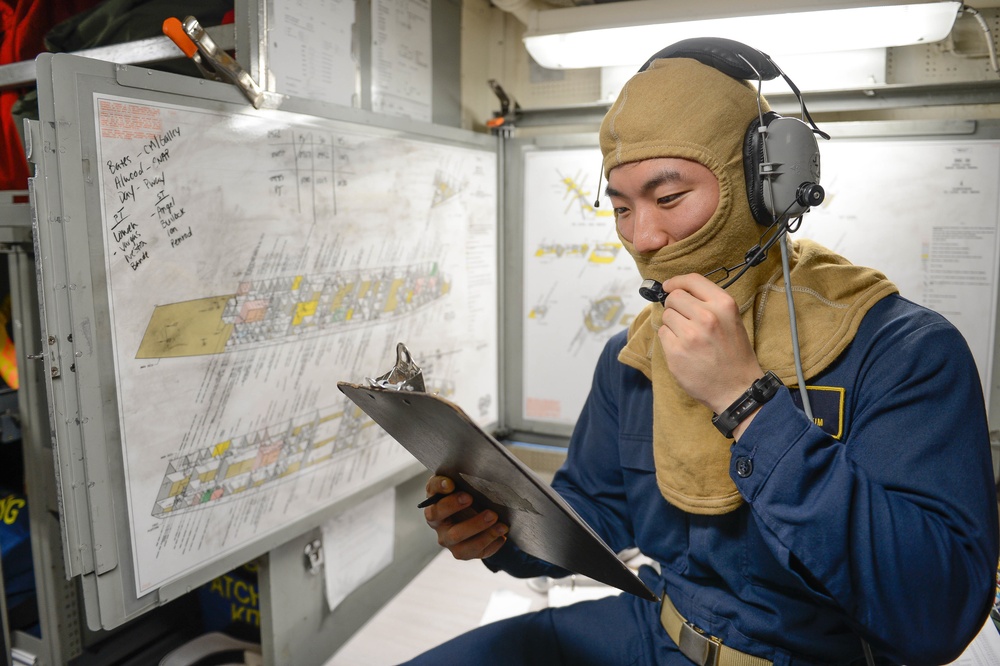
{"type": "Point", "coordinates": [793, 328]}
{"type": "Point", "coordinates": [990, 45]}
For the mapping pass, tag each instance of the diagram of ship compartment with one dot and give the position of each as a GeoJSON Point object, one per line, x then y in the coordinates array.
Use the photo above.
{"type": "Point", "coordinates": [282, 309]}
{"type": "Point", "coordinates": [250, 462]}
{"type": "Point", "coordinates": [230, 468]}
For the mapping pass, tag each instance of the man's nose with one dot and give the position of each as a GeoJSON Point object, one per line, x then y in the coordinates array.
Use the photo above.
{"type": "Point", "coordinates": [647, 232]}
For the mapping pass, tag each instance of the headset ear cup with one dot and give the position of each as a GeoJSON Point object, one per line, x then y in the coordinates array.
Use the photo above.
{"type": "Point", "coordinates": [753, 157]}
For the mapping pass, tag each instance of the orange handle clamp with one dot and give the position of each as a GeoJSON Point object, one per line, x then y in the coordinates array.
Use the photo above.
{"type": "Point", "coordinates": [173, 29]}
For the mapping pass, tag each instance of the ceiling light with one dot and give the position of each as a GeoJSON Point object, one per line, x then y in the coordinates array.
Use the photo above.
{"type": "Point", "coordinates": [627, 33]}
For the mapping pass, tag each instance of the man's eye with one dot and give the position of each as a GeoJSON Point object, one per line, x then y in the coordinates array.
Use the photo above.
{"type": "Point", "coordinates": [670, 198]}
{"type": "Point", "coordinates": [620, 210]}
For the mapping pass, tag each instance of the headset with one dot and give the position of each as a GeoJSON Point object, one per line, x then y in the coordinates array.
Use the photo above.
{"type": "Point", "coordinates": [781, 162]}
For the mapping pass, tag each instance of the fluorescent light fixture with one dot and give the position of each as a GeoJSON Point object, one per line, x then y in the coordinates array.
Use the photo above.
{"type": "Point", "coordinates": [847, 70]}
{"type": "Point", "coordinates": [627, 33]}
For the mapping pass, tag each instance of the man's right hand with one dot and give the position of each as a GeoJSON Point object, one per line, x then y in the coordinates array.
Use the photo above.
{"type": "Point", "coordinates": [467, 533]}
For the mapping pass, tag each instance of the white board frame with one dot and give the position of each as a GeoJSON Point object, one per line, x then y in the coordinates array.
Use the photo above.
{"type": "Point", "coordinates": [78, 354]}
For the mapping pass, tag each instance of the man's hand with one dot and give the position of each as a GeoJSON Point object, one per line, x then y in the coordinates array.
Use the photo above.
{"type": "Point", "coordinates": [467, 533]}
{"type": "Point", "coordinates": [705, 343]}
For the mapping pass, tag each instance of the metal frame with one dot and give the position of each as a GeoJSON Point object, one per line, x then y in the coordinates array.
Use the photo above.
{"type": "Point", "coordinates": [57, 600]}
{"type": "Point", "coordinates": [153, 49]}
{"type": "Point", "coordinates": [105, 572]}
{"type": "Point", "coordinates": [518, 427]}
{"type": "Point", "coordinates": [892, 96]}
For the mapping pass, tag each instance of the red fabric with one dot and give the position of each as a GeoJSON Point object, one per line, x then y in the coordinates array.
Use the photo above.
{"type": "Point", "coordinates": [23, 24]}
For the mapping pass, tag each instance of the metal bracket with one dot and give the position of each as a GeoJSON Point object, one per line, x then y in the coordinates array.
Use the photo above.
{"type": "Point", "coordinates": [314, 556]}
{"type": "Point", "coordinates": [510, 111]}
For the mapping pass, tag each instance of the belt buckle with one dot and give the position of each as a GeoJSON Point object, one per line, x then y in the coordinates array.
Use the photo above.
{"type": "Point", "coordinates": [699, 647]}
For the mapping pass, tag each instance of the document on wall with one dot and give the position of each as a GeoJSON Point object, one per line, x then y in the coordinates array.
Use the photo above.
{"type": "Point", "coordinates": [309, 52]}
{"type": "Point", "coordinates": [401, 58]}
{"type": "Point", "coordinates": [984, 650]}
{"type": "Point", "coordinates": [358, 544]}
{"type": "Point", "coordinates": [925, 213]}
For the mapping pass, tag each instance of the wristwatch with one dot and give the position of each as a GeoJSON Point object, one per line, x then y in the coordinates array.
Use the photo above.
{"type": "Point", "coordinates": [759, 392]}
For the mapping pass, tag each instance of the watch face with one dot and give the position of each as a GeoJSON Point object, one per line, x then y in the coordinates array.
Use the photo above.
{"type": "Point", "coordinates": [759, 392]}
{"type": "Point", "coordinates": [771, 385]}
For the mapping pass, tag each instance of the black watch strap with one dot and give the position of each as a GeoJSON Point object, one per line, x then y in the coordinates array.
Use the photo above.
{"type": "Point", "coordinates": [759, 392]}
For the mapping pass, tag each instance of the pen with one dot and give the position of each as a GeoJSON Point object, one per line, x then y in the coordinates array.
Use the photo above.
{"type": "Point", "coordinates": [432, 500]}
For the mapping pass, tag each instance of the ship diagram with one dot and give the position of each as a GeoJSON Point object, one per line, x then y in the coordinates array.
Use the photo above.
{"type": "Point", "coordinates": [574, 194]}
{"type": "Point", "coordinates": [251, 462]}
{"type": "Point", "coordinates": [282, 309]}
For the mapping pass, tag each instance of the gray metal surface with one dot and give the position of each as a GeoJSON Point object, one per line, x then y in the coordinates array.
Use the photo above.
{"type": "Point", "coordinates": [153, 49]}
{"type": "Point", "coordinates": [297, 626]}
{"type": "Point", "coordinates": [892, 96]}
{"type": "Point", "coordinates": [57, 599]}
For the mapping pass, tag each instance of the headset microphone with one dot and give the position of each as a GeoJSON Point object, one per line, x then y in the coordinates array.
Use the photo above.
{"type": "Point", "coordinates": [652, 290]}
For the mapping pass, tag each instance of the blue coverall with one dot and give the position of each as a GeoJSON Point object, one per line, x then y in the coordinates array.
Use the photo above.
{"type": "Point", "coordinates": [879, 523]}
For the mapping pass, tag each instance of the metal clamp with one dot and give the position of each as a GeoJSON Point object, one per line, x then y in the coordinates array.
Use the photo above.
{"type": "Point", "coordinates": [314, 556]}
{"type": "Point", "coordinates": [404, 376]}
{"type": "Point", "coordinates": [699, 647]}
{"type": "Point", "coordinates": [222, 63]}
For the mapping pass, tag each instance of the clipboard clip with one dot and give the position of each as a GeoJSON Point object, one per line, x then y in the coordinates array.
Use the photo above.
{"type": "Point", "coordinates": [404, 376]}
{"type": "Point", "coordinates": [214, 63]}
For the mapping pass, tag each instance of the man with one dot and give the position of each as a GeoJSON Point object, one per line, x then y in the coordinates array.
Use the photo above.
{"type": "Point", "coordinates": [871, 528]}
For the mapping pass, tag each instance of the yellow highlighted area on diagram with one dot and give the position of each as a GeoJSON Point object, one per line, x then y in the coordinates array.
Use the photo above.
{"type": "Point", "coordinates": [189, 328]}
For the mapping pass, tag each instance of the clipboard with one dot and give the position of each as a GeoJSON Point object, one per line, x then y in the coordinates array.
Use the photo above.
{"type": "Point", "coordinates": [447, 442]}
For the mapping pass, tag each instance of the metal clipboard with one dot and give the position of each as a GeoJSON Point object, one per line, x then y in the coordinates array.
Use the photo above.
{"type": "Point", "coordinates": [445, 440]}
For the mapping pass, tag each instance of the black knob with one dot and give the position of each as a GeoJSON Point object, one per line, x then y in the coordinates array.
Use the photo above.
{"type": "Point", "coordinates": [810, 194]}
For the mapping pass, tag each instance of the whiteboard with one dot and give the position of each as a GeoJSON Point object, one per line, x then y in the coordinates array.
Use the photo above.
{"type": "Point", "coordinates": [925, 212]}
{"type": "Point", "coordinates": [580, 285]}
{"type": "Point", "coordinates": [232, 267]}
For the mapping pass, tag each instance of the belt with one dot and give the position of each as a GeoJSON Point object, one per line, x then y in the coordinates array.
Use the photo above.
{"type": "Point", "coordinates": [698, 646]}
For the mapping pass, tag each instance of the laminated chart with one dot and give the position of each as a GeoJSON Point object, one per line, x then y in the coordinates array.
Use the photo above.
{"type": "Point", "coordinates": [580, 284]}
{"type": "Point", "coordinates": [280, 309]}
{"type": "Point", "coordinates": [252, 261]}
